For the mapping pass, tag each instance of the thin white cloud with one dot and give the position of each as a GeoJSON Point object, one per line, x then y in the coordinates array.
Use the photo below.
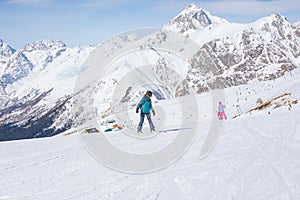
{"type": "Point", "coordinates": [169, 6]}
{"type": "Point", "coordinates": [250, 7]}
{"type": "Point", "coordinates": [28, 2]}
{"type": "Point", "coordinates": [103, 4]}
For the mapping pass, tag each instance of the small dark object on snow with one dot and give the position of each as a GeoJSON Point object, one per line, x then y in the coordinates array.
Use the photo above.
{"type": "Point", "coordinates": [92, 130]}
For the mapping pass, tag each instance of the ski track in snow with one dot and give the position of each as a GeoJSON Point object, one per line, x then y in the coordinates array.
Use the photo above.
{"type": "Point", "coordinates": [84, 178]}
{"type": "Point", "coordinates": [269, 161]}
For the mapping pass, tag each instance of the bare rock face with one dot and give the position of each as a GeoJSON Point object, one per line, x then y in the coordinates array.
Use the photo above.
{"type": "Point", "coordinates": [17, 67]}
{"type": "Point", "coordinates": [265, 51]}
{"type": "Point", "coordinates": [192, 18]}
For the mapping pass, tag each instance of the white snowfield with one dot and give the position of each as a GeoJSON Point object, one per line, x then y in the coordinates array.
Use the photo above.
{"type": "Point", "coordinates": [257, 157]}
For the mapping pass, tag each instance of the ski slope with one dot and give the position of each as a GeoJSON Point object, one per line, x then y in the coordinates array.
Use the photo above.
{"type": "Point", "coordinates": [256, 156]}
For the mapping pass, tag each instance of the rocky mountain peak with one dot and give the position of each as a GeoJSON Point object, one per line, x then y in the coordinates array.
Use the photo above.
{"type": "Point", "coordinates": [45, 45]}
{"type": "Point", "coordinates": [5, 49]}
{"type": "Point", "coordinates": [191, 6]}
{"type": "Point", "coordinates": [297, 24]}
{"type": "Point", "coordinates": [42, 52]}
{"type": "Point", "coordinates": [275, 20]}
{"type": "Point", "coordinates": [275, 28]}
{"type": "Point", "coordinates": [18, 66]}
{"type": "Point", "coordinates": [192, 18]}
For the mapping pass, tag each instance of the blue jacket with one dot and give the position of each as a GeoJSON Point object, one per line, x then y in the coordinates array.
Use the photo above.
{"type": "Point", "coordinates": [146, 105]}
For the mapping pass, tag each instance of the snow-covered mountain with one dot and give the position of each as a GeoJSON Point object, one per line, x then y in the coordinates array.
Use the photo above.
{"type": "Point", "coordinates": [263, 50]}
{"type": "Point", "coordinates": [5, 52]}
{"type": "Point", "coordinates": [234, 54]}
{"type": "Point", "coordinates": [42, 52]}
{"type": "Point", "coordinates": [37, 83]}
{"type": "Point", "coordinates": [297, 24]}
{"type": "Point", "coordinates": [17, 67]}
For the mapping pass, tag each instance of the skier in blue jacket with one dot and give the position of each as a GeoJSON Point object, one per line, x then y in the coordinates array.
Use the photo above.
{"type": "Point", "coordinates": [145, 105]}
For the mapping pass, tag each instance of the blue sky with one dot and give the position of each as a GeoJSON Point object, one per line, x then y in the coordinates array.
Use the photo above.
{"type": "Point", "coordinates": [89, 22]}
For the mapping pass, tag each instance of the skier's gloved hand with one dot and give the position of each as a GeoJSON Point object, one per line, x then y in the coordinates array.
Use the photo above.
{"type": "Point", "coordinates": [137, 110]}
{"type": "Point", "coordinates": [153, 112]}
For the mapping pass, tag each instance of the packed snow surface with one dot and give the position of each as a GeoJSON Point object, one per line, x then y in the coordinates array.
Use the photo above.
{"type": "Point", "coordinates": [256, 156]}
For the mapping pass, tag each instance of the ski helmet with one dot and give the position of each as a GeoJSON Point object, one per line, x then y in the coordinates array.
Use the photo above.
{"type": "Point", "coordinates": [149, 93]}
